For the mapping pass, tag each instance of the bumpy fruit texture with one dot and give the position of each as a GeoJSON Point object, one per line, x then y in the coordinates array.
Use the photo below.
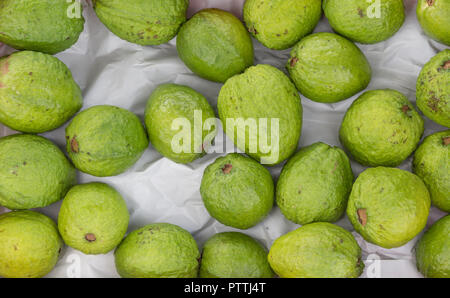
{"type": "Point", "coordinates": [158, 251]}
{"type": "Point", "coordinates": [105, 140]}
{"type": "Point", "coordinates": [434, 17]}
{"type": "Point", "coordinates": [363, 21]}
{"type": "Point", "coordinates": [48, 26]}
{"type": "Point", "coordinates": [432, 164]}
{"type": "Point", "coordinates": [328, 68]}
{"type": "Point", "coordinates": [433, 89]}
{"type": "Point", "coordinates": [433, 250]}
{"type": "Point", "coordinates": [280, 24]}
{"type": "Point", "coordinates": [315, 184]}
{"type": "Point", "coordinates": [215, 45]}
{"type": "Point", "coordinates": [93, 218]}
{"type": "Point", "coordinates": [29, 244]}
{"type": "Point", "coordinates": [166, 106]}
{"type": "Point", "coordinates": [237, 191]}
{"type": "Point", "coordinates": [144, 22]}
{"type": "Point", "coordinates": [234, 255]}
{"type": "Point", "coordinates": [266, 111]}
{"type": "Point", "coordinates": [34, 173]}
{"type": "Point", "coordinates": [317, 250]}
{"type": "Point", "coordinates": [381, 128]}
{"type": "Point", "coordinates": [37, 92]}
{"type": "Point", "coordinates": [388, 206]}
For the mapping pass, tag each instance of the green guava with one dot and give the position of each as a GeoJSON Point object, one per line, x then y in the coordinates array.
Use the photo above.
{"type": "Point", "coordinates": [433, 89]}
{"type": "Point", "coordinates": [144, 22]}
{"type": "Point", "coordinates": [317, 250]}
{"type": "Point", "coordinates": [280, 24]}
{"type": "Point", "coordinates": [105, 140]}
{"type": "Point", "coordinates": [388, 206]}
{"type": "Point", "coordinates": [215, 45]}
{"type": "Point", "coordinates": [237, 191]}
{"type": "Point", "coordinates": [381, 128]}
{"type": "Point", "coordinates": [158, 250]}
{"type": "Point", "coordinates": [170, 117]}
{"type": "Point", "coordinates": [434, 17]}
{"type": "Point", "coordinates": [29, 244]}
{"type": "Point", "coordinates": [34, 173]}
{"type": "Point", "coordinates": [365, 21]}
{"type": "Point", "coordinates": [328, 68]}
{"type": "Point", "coordinates": [93, 218]}
{"type": "Point", "coordinates": [234, 255]}
{"type": "Point", "coordinates": [261, 113]}
{"type": "Point", "coordinates": [48, 26]}
{"type": "Point", "coordinates": [433, 250]}
{"type": "Point", "coordinates": [37, 92]}
{"type": "Point", "coordinates": [432, 164]}
{"type": "Point", "coordinates": [315, 184]}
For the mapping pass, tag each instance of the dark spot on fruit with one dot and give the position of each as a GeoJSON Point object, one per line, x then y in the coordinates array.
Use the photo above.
{"type": "Point", "coordinates": [24, 163]}
{"type": "Point", "coordinates": [227, 169]}
{"type": "Point", "coordinates": [278, 35]}
{"type": "Point", "coordinates": [405, 109]}
{"type": "Point", "coordinates": [155, 36]}
{"type": "Point", "coordinates": [362, 216]}
{"type": "Point", "coordinates": [30, 73]}
{"type": "Point", "coordinates": [430, 2]}
{"type": "Point", "coordinates": [433, 103]}
{"type": "Point", "coordinates": [294, 61]}
{"type": "Point", "coordinates": [252, 30]}
{"type": "Point", "coordinates": [446, 65]}
{"type": "Point", "coordinates": [90, 237]}
{"type": "Point", "coordinates": [360, 12]}
{"type": "Point", "coordinates": [446, 141]}
{"type": "Point", "coordinates": [74, 145]}
{"type": "Point", "coordinates": [286, 31]}
{"type": "Point", "coordinates": [15, 247]}
{"type": "Point", "coordinates": [158, 22]}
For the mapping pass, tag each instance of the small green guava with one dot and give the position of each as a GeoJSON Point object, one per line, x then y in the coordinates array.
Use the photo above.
{"type": "Point", "coordinates": [434, 17]}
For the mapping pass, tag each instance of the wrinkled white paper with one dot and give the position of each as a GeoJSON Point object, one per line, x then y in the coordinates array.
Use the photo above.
{"type": "Point", "coordinates": [115, 72]}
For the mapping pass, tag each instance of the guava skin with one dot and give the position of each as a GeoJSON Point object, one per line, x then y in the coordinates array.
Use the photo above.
{"type": "Point", "coordinates": [353, 19]}
{"type": "Point", "coordinates": [158, 250]}
{"type": "Point", "coordinates": [433, 250]}
{"type": "Point", "coordinates": [93, 218]}
{"type": "Point", "coordinates": [143, 22]}
{"type": "Point", "coordinates": [169, 102]}
{"type": "Point", "coordinates": [262, 92]}
{"type": "Point", "coordinates": [234, 255]}
{"type": "Point", "coordinates": [381, 128]}
{"type": "Point", "coordinates": [37, 92]}
{"type": "Point", "coordinates": [434, 17]}
{"type": "Point", "coordinates": [215, 45]}
{"type": "Point", "coordinates": [433, 89]}
{"type": "Point", "coordinates": [315, 184]}
{"type": "Point", "coordinates": [280, 24]}
{"type": "Point", "coordinates": [388, 206]}
{"type": "Point", "coordinates": [328, 68]}
{"type": "Point", "coordinates": [317, 250]}
{"type": "Point", "coordinates": [105, 140]}
{"type": "Point", "coordinates": [39, 25]}
{"type": "Point", "coordinates": [29, 244]}
{"type": "Point", "coordinates": [34, 173]}
{"type": "Point", "coordinates": [432, 164]}
{"type": "Point", "coordinates": [237, 191]}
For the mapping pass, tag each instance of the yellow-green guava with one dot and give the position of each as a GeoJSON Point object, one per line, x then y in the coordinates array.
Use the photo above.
{"type": "Point", "coordinates": [434, 17]}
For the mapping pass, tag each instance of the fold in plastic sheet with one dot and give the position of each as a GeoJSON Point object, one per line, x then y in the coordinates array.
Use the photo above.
{"type": "Point", "coordinates": [115, 72]}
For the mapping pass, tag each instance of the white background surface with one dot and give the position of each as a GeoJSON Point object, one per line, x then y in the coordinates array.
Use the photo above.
{"type": "Point", "coordinates": [112, 71]}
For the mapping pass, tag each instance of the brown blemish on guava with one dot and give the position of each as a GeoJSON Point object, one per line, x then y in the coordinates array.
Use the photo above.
{"type": "Point", "coordinates": [362, 216]}
{"type": "Point", "coordinates": [433, 103]}
{"type": "Point", "coordinates": [446, 65]}
{"type": "Point", "coordinates": [155, 36]}
{"type": "Point", "coordinates": [227, 169]}
{"type": "Point", "coordinates": [446, 141]}
{"type": "Point", "coordinates": [90, 237]}
{"type": "Point", "coordinates": [360, 12]}
{"type": "Point", "coordinates": [406, 109]}
{"type": "Point", "coordinates": [4, 69]}
{"type": "Point", "coordinates": [430, 2]}
{"type": "Point", "coordinates": [294, 61]}
{"type": "Point", "coordinates": [74, 145]}
{"type": "Point", "coordinates": [252, 30]}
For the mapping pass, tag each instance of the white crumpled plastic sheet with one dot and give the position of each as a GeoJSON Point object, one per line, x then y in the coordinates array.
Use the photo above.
{"type": "Point", "coordinates": [115, 72]}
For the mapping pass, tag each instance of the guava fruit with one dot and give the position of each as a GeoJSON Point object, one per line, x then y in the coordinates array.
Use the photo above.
{"type": "Point", "coordinates": [432, 164]}
{"type": "Point", "coordinates": [262, 113]}
{"type": "Point", "coordinates": [280, 24]}
{"type": "Point", "coordinates": [237, 191]}
{"type": "Point", "coordinates": [316, 250]}
{"type": "Point", "coordinates": [105, 140]}
{"type": "Point", "coordinates": [433, 89]}
{"type": "Point", "coordinates": [158, 250]}
{"type": "Point", "coordinates": [37, 92]}
{"type": "Point", "coordinates": [215, 45]}
{"type": "Point", "coordinates": [48, 26]}
{"type": "Point", "coordinates": [29, 244]}
{"type": "Point", "coordinates": [170, 117]}
{"type": "Point", "coordinates": [363, 21]}
{"type": "Point", "coordinates": [34, 173]}
{"type": "Point", "coordinates": [328, 68]}
{"type": "Point", "coordinates": [144, 22]}
{"type": "Point", "coordinates": [388, 206]}
{"type": "Point", "coordinates": [381, 128]}
{"type": "Point", "coordinates": [433, 250]}
{"type": "Point", "coordinates": [93, 218]}
{"type": "Point", "coordinates": [315, 184]}
{"type": "Point", "coordinates": [234, 255]}
{"type": "Point", "coordinates": [434, 17]}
